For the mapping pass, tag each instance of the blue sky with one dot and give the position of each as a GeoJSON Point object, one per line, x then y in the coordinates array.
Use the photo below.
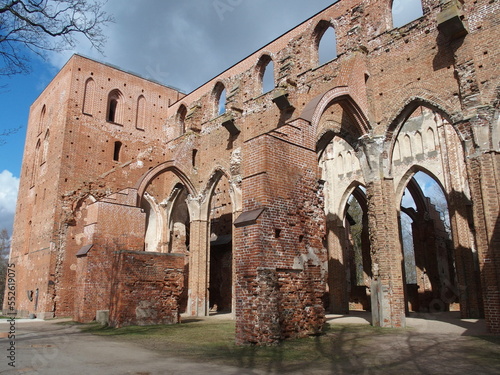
{"type": "Point", "coordinates": [179, 43]}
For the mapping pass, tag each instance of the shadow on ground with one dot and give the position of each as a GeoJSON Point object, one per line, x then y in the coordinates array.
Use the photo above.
{"type": "Point", "coordinates": [349, 345]}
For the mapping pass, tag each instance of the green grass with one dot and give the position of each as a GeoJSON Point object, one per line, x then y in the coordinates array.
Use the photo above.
{"type": "Point", "coordinates": [340, 349]}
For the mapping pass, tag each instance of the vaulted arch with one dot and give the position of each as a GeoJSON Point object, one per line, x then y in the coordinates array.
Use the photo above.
{"type": "Point", "coordinates": [150, 175]}
{"type": "Point", "coordinates": [351, 111]}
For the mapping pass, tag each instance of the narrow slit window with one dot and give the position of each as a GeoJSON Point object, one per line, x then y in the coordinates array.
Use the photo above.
{"type": "Point", "coordinates": [113, 104]}
{"type": "Point", "coordinates": [117, 151]}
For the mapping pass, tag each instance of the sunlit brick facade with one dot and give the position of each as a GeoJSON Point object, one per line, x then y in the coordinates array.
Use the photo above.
{"type": "Point", "coordinates": [150, 203]}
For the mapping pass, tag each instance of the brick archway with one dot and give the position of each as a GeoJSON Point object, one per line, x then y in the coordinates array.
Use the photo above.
{"type": "Point", "coordinates": [150, 175]}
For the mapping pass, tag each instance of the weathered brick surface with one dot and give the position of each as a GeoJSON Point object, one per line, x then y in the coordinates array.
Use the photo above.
{"type": "Point", "coordinates": [146, 288]}
{"type": "Point", "coordinates": [162, 173]}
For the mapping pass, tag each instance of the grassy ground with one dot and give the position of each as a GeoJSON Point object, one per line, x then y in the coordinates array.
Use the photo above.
{"type": "Point", "coordinates": [342, 349]}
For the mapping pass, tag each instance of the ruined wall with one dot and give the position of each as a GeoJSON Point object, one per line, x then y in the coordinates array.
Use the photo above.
{"type": "Point", "coordinates": [146, 288]}
{"type": "Point", "coordinates": [111, 226]}
{"type": "Point", "coordinates": [349, 112]}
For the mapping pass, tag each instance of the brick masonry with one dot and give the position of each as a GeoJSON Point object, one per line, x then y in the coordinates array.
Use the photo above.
{"type": "Point", "coordinates": [130, 166]}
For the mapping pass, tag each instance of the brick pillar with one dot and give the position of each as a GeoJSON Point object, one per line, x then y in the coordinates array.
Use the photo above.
{"type": "Point", "coordinates": [198, 268]}
{"type": "Point", "coordinates": [484, 171]}
{"type": "Point", "coordinates": [279, 257]}
{"type": "Point", "coordinates": [387, 289]}
{"type": "Point", "coordinates": [337, 272]}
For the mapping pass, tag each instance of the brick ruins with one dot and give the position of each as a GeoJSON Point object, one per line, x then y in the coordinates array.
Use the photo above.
{"type": "Point", "coordinates": [141, 200]}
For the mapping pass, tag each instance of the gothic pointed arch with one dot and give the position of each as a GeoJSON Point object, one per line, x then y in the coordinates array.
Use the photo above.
{"type": "Point", "coordinates": [347, 108]}
{"type": "Point", "coordinates": [168, 166]}
{"type": "Point", "coordinates": [114, 112]}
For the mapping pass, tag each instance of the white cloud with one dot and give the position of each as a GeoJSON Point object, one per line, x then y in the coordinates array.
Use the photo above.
{"type": "Point", "coordinates": [9, 185]}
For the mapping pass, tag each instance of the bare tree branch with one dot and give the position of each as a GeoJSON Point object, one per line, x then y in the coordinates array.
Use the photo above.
{"type": "Point", "coordinates": [6, 133]}
{"type": "Point", "coordinates": [40, 26]}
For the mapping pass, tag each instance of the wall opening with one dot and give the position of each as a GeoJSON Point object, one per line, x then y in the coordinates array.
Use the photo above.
{"type": "Point", "coordinates": [117, 151]}
{"type": "Point", "coordinates": [326, 43]}
{"type": "Point", "coordinates": [220, 289]}
{"type": "Point", "coordinates": [179, 235]}
{"type": "Point", "coordinates": [266, 74]}
{"type": "Point", "coordinates": [358, 258]}
{"type": "Point", "coordinates": [405, 11]}
{"type": "Point", "coordinates": [181, 119]}
{"type": "Point", "coordinates": [429, 262]}
{"type": "Point", "coordinates": [114, 112]}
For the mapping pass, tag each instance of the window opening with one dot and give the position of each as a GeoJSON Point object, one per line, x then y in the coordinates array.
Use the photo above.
{"type": "Point", "coordinates": [327, 49]}
{"type": "Point", "coordinates": [116, 153]}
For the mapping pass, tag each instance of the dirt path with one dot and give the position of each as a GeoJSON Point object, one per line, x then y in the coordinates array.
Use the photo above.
{"type": "Point", "coordinates": [440, 346]}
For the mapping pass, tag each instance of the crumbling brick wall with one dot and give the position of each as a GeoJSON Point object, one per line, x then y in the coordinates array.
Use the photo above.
{"type": "Point", "coordinates": [146, 288]}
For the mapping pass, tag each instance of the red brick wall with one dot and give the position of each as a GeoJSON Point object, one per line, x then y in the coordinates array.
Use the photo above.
{"type": "Point", "coordinates": [385, 71]}
{"type": "Point", "coordinates": [146, 288]}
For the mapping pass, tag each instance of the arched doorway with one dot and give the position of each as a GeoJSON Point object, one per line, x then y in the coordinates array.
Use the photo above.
{"type": "Point", "coordinates": [426, 141]}
{"type": "Point", "coordinates": [429, 260]}
{"type": "Point", "coordinates": [359, 273]}
{"type": "Point", "coordinates": [220, 286]}
{"type": "Point", "coordinates": [349, 264]}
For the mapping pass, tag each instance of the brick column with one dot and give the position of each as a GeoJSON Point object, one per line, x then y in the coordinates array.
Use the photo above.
{"type": "Point", "coordinates": [337, 273]}
{"type": "Point", "coordinates": [279, 257]}
{"type": "Point", "coordinates": [484, 171]}
{"type": "Point", "coordinates": [387, 289]}
{"type": "Point", "coordinates": [198, 268]}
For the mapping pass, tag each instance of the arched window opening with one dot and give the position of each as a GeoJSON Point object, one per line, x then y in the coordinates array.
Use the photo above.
{"type": "Point", "coordinates": [41, 123]}
{"type": "Point", "coordinates": [327, 43]}
{"type": "Point", "coordinates": [405, 11]}
{"type": "Point", "coordinates": [141, 113]}
{"type": "Point", "coordinates": [117, 151]}
{"type": "Point", "coordinates": [221, 254]}
{"type": "Point", "coordinates": [88, 97]}
{"type": "Point", "coordinates": [181, 119]}
{"type": "Point", "coordinates": [358, 258]}
{"type": "Point", "coordinates": [114, 107]}
{"type": "Point", "coordinates": [266, 74]}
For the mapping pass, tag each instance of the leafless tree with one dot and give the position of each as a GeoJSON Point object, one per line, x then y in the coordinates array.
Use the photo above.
{"type": "Point", "coordinates": [39, 26]}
